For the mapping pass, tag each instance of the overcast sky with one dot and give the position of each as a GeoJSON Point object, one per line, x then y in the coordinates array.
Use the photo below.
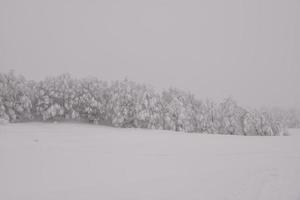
{"type": "Point", "coordinates": [247, 49]}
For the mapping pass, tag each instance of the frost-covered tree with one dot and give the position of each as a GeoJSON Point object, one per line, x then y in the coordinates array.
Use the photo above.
{"type": "Point", "coordinates": [210, 122]}
{"type": "Point", "coordinates": [122, 104]}
{"type": "Point", "coordinates": [15, 102]}
{"type": "Point", "coordinates": [263, 124]}
{"type": "Point", "coordinates": [178, 110]}
{"type": "Point", "coordinates": [56, 98]}
{"type": "Point", "coordinates": [231, 118]}
{"type": "Point", "coordinates": [4, 118]}
{"type": "Point", "coordinates": [287, 117]}
{"type": "Point", "coordinates": [129, 104]}
{"type": "Point", "coordinates": [193, 114]}
{"type": "Point", "coordinates": [92, 100]}
{"type": "Point", "coordinates": [148, 108]}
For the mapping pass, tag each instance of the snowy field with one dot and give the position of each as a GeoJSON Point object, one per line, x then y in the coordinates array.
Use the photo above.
{"type": "Point", "coordinates": [40, 161]}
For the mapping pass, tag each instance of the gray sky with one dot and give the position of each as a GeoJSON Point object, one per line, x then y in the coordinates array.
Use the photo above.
{"type": "Point", "coordinates": [248, 49]}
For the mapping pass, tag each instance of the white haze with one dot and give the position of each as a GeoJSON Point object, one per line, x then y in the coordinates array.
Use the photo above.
{"type": "Point", "coordinates": [246, 49]}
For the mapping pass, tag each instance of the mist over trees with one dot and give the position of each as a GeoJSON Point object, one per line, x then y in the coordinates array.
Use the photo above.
{"type": "Point", "coordinates": [133, 105]}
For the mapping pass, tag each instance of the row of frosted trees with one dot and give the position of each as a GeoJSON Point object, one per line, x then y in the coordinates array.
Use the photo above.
{"type": "Point", "coordinates": [127, 104]}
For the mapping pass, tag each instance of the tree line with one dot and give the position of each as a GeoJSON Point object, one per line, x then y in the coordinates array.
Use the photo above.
{"type": "Point", "coordinates": [129, 104]}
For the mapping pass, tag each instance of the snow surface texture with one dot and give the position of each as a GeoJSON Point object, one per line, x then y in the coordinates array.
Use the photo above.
{"type": "Point", "coordinates": [81, 161]}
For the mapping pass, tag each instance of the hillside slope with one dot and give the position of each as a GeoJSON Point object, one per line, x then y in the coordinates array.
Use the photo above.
{"type": "Point", "coordinates": [80, 161]}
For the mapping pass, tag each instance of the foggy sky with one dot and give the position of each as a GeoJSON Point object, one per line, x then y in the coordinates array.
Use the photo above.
{"type": "Point", "coordinates": [247, 49]}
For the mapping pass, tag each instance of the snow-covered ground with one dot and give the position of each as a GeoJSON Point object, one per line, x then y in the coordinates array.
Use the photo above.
{"type": "Point", "coordinates": [40, 161]}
